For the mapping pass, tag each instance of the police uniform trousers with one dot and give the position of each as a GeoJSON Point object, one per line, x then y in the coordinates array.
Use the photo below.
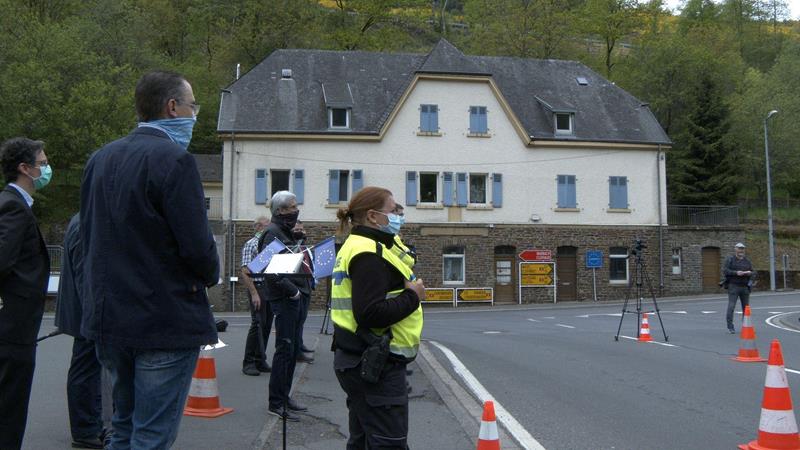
{"type": "Point", "coordinates": [378, 413]}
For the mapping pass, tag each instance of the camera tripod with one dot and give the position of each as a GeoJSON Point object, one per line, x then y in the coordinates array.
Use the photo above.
{"type": "Point", "coordinates": [640, 278]}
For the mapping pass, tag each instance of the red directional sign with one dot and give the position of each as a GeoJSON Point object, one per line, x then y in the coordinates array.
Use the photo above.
{"type": "Point", "coordinates": [536, 255]}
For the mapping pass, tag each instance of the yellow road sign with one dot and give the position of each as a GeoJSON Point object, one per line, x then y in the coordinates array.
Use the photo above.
{"type": "Point", "coordinates": [536, 269]}
{"type": "Point", "coordinates": [475, 295]}
{"type": "Point", "coordinates": [439, 295]}
{"type": "Point", "coordinates": [537, 280]}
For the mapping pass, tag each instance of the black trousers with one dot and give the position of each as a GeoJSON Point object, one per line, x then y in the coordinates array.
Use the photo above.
{"type": "Point", "coordinates": [252, 353]}
{"type": "Point", "coordinates": [301, 323]}
{"type": "Point", "coordinates": [16, 377]}
{"type": "Point", "coordinates": [287, 331]}
{"type": "Point", "coordinates": [84, 399]}
{"type": "Point", "coordinates": [378, 413]}
{"type": "Point", "coordinates": [735, 292]}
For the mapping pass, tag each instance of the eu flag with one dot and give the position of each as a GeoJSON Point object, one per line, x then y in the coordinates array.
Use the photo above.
{"type": "Point", "coordinates": [258, 263]}
{"type": "Point", "coordinates": [324, 258]}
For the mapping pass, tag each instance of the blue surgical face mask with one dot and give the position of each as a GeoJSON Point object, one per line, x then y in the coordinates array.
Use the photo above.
{"type": "Point", "coordinates": [395, 222]}
{"type": "Point", "coordinates": [179, 129]}
{"type": "Point", "coordinates": [42, 180]}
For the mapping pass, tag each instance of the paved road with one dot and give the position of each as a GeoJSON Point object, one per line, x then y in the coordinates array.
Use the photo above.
{"type": "Point", "coordinates": [561, 374]}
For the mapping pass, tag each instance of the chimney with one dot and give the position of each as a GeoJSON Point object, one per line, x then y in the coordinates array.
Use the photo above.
{"type": "Point", "coordinates": [287, 102]}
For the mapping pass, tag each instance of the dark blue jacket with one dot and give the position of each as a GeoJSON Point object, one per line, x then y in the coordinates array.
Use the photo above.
{"type": "Point", "coordinates": [149, 252]}
{"type": "Point", "coordinates": [24, 270]}
{"type": "Point", "coordinates": [69, 308]}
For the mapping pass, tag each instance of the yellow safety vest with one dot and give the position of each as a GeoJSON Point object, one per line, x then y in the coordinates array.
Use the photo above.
{"type": "Point", "coordinates": [406, 333]}
{"type": "Point", "coordinates": [402, 252]}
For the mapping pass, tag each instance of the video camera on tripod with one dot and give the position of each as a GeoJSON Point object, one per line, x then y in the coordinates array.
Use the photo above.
{"type": "Point", "coordinates": [638, 247]}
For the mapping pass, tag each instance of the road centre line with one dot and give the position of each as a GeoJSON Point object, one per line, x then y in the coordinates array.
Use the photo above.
{"type": "Point", "coordinates": [565, 326]}
{"type": "Point", "coordinates": [532, 320]}
{"type": "Point", "coordinates": [519, 432]}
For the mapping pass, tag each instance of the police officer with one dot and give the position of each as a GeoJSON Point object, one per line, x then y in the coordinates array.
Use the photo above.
{"type": "Point", "coordinates": [374, 294]}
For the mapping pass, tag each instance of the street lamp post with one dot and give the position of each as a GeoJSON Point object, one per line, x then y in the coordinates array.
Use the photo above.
{"type": "Point", "coordinates": [769, 205]}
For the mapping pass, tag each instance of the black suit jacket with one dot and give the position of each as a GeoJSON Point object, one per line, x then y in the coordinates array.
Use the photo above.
{"type": "Point", "coordinates": [148, 250]}
{"type": "Point", "coordinates": [24, 270]}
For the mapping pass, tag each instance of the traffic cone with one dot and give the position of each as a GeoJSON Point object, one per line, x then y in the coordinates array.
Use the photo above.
{"type": "Point", "coordinates": [488, 439]}
{"type": "Point", "coordinates": [203, 398]}
{"type": "Point", "coordinates": [777, 429]}
{"type": "Point", "coordinates": [748, 352]}
{"type": "Point", "coordinates": [644, 332]}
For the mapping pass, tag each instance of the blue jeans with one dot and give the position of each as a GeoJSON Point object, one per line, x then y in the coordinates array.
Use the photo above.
{"type": "Point", "coordinates": [149, 390]}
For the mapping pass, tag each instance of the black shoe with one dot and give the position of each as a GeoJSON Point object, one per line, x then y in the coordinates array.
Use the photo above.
{"type": "Point", "coordinates": [305, 359]}
{"type": "Point", "coordinates": [305, 349]}
{"type": "Point", "coordinates": [251, 370]}
{"type": "Point", "coordinates": [292, 405]}
{"type": "Point", "coordinates": [731, 330]}
{"type": "Point", "coordinates": [264, 368]}
{"type": "Point", "coordinates": [94, 442]}
{"type": "Point", "coordinates": [289, 416]}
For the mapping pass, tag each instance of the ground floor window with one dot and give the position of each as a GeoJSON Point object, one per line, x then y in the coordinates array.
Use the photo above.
{"type": "Point", "coordinates": [618, 265]}
{"type": "Point", "coordinates": [453, 265]}
{"type": "Point", "coordinates": [676, 261]}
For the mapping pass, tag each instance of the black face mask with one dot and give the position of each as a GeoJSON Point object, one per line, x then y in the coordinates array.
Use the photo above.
{"type": "Point", "coordinates": [299, 235]}
{"type": "Point", "coordinates": [286, 221]}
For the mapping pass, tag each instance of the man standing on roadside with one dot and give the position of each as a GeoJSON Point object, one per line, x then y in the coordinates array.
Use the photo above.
{"type": "Point", "coordinates": [24, 271]}
{"type": "Point", "coordinates": [148, 257]}
{"type": "Point", "coordinates": [255, 348]}
{"type": "Point", "coordinates": [739, 276]}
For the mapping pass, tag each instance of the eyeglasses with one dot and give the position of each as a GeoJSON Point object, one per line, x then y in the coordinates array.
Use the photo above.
{"type": "Point", "coordinates": [195, 107]}
{"type": "Point", "coordinates": [41, 164]}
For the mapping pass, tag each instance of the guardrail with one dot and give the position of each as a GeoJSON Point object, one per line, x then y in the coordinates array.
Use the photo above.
{"type": "Point", "coordinates": [707, 215]}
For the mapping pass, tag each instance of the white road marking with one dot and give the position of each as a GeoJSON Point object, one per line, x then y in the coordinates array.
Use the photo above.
{"type": "Point", "coordinates": [533, 320]}
{"type": "Point", "coordinates": [519, 432]}
{"type": "Point", "coordinates": [708, 312]}
{"type": "Point", "coordinates": [648, 342]}
{"type": "Point", "coordinates": [793, 371]}
{"type": "Point", "coordinates": [774, 312]}
{"type": "Point", "coordinates": [549, 317]}
{"type": "Point", "coordinates": [565, 326]}
{"type": "Point", "coordinates": [491, 332]}
{"type": "Point", "coordinates": [673, 312]}
{"type": "Point", "coordinates": [586, 316]}
{"type": "Point", "coordinates": [771, 321]}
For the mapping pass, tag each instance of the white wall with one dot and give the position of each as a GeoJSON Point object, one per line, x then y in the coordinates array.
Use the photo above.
{"type": "Point", "coordinates": [529, 174]}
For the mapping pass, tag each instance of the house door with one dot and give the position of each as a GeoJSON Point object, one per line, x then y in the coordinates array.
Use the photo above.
{"type": "Point", "coordinates": [711, 269]}
{"type": "Point", "coordinates": [505, 274]}
{"type": "Point", "coordinates": [567, 273]}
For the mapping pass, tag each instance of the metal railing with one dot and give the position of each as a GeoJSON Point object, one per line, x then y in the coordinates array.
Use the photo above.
{"type": "Point", "coordinates": [707, 215]}
{"type": "Point", "coordinates": [214, 207]}
{"type": "Point", "coordinates": [55, 252]}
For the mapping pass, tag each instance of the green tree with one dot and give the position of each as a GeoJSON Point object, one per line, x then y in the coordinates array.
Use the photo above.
{"type": "Point", "coordinates": [610, 21]}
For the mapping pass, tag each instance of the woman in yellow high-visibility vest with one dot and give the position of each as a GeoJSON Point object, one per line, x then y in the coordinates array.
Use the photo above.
{"type": "Point", "coordinates": [374, 291]}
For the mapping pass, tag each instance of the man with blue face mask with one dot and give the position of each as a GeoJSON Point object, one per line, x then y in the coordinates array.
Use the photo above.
{"type": "Point", "coordinates": [148, 256]}
{"type": "Point", "coordinates": [24, 270]}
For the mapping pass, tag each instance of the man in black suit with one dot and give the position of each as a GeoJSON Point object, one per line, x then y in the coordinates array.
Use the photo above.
{"type": "Point", "coordinates": [24, 271]}
{"type": "Point", "coordinates": [148, 256]}
{"type": "Point", "coordinates": [84, 399]}
{"type": "Point", "coordinates": [286, 295]}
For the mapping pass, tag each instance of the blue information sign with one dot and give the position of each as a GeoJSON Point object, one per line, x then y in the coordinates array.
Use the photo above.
{"type": "Point", "coordinates": [594, 259]}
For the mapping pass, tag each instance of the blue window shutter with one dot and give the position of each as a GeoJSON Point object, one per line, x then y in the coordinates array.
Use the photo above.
{"type": "Point", "coordinates": [261, 186]}
{"type": "Point", "coordinates": [423, 117]}
{"type": "Point", "coordinates": [461, 189]}
{"type": "Point", "coordinates": [333, 187]}
{"type": "Point", "coordinates": [618, 192]}
{"type": "Point", "coordinates": [299, 185]}
{"type": "Point", "coordinates": [623, 188]}
{"type": "Point", "coordinates": [473, 119]}
{"type": "Point", "coordinates": [411, 188]}
{"type": "Point", "coordinates": [448, 189]}
{"type": "Point", "coordinates": [358, 180]}
{"type": "Point", "coordinates": [562, 191]}
{"type": "Point", "coordinates": [497, 190]}
{"type": "Point", "coordinates": [571, 194]}
{"type": "Point", "coordinates": [434, 118]}
{"type": "Point", "coordinates": [483, 123]}
{"type": "Point", "coordinates": [612, 192]}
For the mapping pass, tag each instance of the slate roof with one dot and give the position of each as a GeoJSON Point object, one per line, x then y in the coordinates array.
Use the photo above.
{"type": "Point", "coordinates": [374, 82]}
{"type": "Point", "coordinates": [210, 167]}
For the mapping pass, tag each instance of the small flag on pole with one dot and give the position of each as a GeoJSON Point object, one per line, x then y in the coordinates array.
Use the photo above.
{"type": "Point", "coordinates": [324, 258]}
{"type": "Point", "coordinates": [258, 263]}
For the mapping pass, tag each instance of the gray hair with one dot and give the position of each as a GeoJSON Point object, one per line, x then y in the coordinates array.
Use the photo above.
{"type": "Point", "coordinates": [280, 200]}
{"type": "Point", "coordinates": [260, 219]}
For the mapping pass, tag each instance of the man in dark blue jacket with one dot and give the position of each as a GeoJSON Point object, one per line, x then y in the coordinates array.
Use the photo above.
{"type": "Point", "coordinates": [24, 270]}
{"type": "Point", "coordinates": [83, 379]}
{"type": "Point", "coordinates": [149, 255]}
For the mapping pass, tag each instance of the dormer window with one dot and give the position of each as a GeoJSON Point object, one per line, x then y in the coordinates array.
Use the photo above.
{"type": "Point", "coordinates": [563, 122]}
{"type": "Point", "coordinates": [339, 118]}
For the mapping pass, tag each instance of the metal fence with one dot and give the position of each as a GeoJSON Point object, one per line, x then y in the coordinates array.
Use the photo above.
{"type": "Point", "coordinates": [55, 252]}
{"type": "Point", "coordinates": [708, 215]}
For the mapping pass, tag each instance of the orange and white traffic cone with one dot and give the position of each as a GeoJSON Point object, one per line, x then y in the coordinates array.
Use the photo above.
{"type": "Point", "coordinates": [203, 398]}
{"type": "Point", "coordinates": [777, 429]}
{"type": "Point", "coordinates": [644, 331]}
{"type": "Point", "coordinates": [488, 438]}
{"type": "Point", "coordinates": [748, 352]}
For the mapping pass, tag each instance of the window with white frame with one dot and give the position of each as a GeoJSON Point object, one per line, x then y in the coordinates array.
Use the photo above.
{"type": "Point", "coordinates": [563, 123]}
{"type": "Point", "coordinates": [567, 196]}
{"type": "Point", "coordinates": [338, 117]}
{"type": "Point", "coordinates": [428, 187]}
{"type": "Point", "coordinates": [618, 192]}
{"type": "Point", "coordinates": [677, 261]}
{"type": "Point", "coordinates": [618, 265]}
{"type": "Point", "coordinates": [453, 265]}
{"type": "Point", "coordinates": [279, 180]}
{"type": "Point", "coordinates": [477, 188]}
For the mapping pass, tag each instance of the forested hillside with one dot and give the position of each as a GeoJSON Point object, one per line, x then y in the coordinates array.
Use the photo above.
{"type": "Point", "coordinates": [710, 74]}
